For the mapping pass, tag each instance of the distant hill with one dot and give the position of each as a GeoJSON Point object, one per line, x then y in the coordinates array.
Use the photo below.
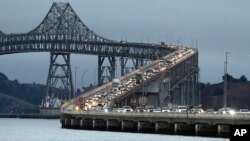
{"type": "Point", "coordinates": [9, 104]}
{"type": "Point", "coordinates": [28, 97]}
{"type": "Point", "coordinates": [31, 93]}
{"type": "Point", "coordinates": [238, 94]}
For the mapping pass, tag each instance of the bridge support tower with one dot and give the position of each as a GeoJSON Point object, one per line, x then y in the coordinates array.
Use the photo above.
{"type": "Point", "coordinates": [62, 72]}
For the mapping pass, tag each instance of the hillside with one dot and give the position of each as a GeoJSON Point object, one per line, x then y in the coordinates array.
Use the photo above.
{"type": "Point", "coordinates": [238, 95]}
{"type": "Point", "coordinates": [11, 104]}
{"type": "Point", "coordinates": [18, 97]}
{"type": "Point", "coordinates": [31, 93]}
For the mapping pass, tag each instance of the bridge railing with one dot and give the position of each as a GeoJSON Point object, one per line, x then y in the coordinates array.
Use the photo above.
{"type": "Point", "coordinates": [159, 115]}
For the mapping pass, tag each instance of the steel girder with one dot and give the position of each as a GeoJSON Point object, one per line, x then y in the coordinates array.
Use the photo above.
{"type": "Point", "coordinates": [108, 71]}
{"type": "Point", "coordinates": [47, 43]}
{"type": "Point", "coordinates": [54, 76]}
{"type": "Point", "coordinates": [62, 26]}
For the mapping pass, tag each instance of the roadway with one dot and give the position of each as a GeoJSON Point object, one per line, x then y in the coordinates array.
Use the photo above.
{"type": "Point", "coordinates": [104, 95]}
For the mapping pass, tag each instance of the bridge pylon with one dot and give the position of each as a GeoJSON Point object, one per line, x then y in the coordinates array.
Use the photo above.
{"type": "Point", "coordinates": [58, 72]}
{"type": "Point", "coordinates": [107, 71]}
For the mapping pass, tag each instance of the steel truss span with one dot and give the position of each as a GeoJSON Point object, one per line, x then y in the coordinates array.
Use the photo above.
{"type": "Point", "coordinates": [62, 33]}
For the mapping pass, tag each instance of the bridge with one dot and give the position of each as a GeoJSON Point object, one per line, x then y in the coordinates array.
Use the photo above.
{"type": "Point", "coordinates": [216, 125]}
{"type": "Point", "coordinates": [169, 76]}
{"type": "Point", "coordinates": [62, 33]}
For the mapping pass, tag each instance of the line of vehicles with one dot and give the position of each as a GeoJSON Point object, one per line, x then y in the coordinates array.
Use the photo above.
{"type": "Point", "coordinates": [104, 98]}
{"type": "Point", "coordinates": [176, 109]}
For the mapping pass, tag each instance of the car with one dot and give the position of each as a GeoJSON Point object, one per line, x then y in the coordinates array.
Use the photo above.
{"type": "Point", "coordinates": [98, 95]}
{"type": "Point", "coordinates": [130, 86]}
{"type": "Point", "coordinates": [124, 89]}
{"type": "Point", "coordinates": [158, 110]}
{"type": "Point", "coordinates": [108, 109]}
{"type": "Point", "coordinates": [244, 111]}
{"type": "Point", "coordinates": [155, 70]}
{"type": "Point", "coordinates": [196, 110]}
{"type": "Point", "coordinates": [165, 109]}
{"type": "Point", "coordinates": [182, 109]}
{"type": "Point", "coordinates": [226, 110]}
{"type": "Point", "coordinates": [140, 109]}
{"type": "Point", "coordinates": [149, 72]}
{"type": "Point", "coordinates": [119, 110]}
{"type": "Point", "coordinates": [133, 79]}
{"type": "Point", "coordinates": [211, 111]}
{"type": "Point", "coordinates": [149, 108]}
{"type": "Point", "coordinates": [89, 99]}
{"type": "Point", "coordinates": [95, 108]}
{"type": "Point", "coordinates": [118, 92]}
{"type": "Point", "coordinates": [127, 109]}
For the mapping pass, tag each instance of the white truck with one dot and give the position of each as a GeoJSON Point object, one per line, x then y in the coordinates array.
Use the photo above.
{"type": "Point", "coordinates": [115, 85]}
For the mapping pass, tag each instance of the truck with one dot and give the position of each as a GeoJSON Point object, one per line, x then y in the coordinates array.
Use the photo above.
{"type": "Point", "coordinates": [138, 77]}
{"type": "Point", "coordinates": [115, 84]}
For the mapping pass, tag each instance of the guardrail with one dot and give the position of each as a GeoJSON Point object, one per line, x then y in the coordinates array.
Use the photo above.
{"type": "Point", "coordinates": [160, 115]}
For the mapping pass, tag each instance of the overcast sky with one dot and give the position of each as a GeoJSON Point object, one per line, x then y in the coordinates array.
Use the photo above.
{"type": "Point", "coordinates": [218, 25]}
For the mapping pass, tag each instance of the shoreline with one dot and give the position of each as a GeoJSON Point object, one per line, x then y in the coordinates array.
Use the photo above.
{"type": "Point", "coordinates": [33, 116]}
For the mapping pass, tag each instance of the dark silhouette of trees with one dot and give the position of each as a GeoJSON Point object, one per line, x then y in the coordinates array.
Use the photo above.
{"type": "Point", "coordinates": [243, 78]}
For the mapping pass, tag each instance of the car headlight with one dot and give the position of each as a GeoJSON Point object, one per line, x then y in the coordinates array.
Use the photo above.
{"type": "Point", "coordinates": [232, 112]}
{"type": "Point", "coordinates": [202, 111]}
{"type": "Point", "coordinates": [77, 108]}
{"type": "Point", "coordinates": [223, 112]}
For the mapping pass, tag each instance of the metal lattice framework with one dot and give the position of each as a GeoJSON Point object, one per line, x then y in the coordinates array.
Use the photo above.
{"type": "Point", "coordinates": [62, 32]}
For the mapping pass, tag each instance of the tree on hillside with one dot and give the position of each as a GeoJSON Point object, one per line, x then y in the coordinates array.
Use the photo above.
{"type": "Point", "coordinates": [243, 78]}
{"type": "Point", "coordinates": [230, 78]}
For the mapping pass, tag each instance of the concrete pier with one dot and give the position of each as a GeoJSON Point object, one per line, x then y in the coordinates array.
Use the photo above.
{"type": "Point", "coordinates": [145, 126]}
{"type": "Point", "coordinates": [128, 125]}
{"type": "Point", "coordinates": [99, 124]}
{"type": "Point", "coordinates": [113, 125]}
{"type": "Point", "coordinates": [223, 130]}
{"type": "Point", "coordinates": [75, 123]}
{"type": "Point", "coordinates": [184, 129]}
{"type": "Point", "coordinates": [167, 123]}
{"type": "Point", "coordinates": [164, 127]}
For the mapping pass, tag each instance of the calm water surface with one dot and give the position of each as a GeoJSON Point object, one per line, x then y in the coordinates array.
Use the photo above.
{"type": "Point", "coordinates": [49, 130]}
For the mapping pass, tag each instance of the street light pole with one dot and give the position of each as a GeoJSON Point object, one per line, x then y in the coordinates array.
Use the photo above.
{"type": "Point", "coordinates": [225, 81]}
{"type": "Point", "coordinates": [95, 76]}
{"type": "Point", "coordinates": [76, 67]}
{"type": "Point", "coordinates": [83, 77]}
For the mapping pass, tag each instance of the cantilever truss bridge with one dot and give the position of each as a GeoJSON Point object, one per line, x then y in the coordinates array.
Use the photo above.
{"type": "Point", "coordinates": [62, 33]}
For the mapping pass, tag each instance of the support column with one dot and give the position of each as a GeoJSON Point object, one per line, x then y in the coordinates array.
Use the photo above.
{"type": "Point", "coordinates": [58, 72]}
{"type": "Point", "coordinates": [75, 123]}
{"type": "Point", "coordinates": [223, 130]}
{"type": "Point", "coordinates": [129, 126]}
{"type": "Point", "coordinates": [113, 125]}
{"type": "Point", "coordinates": [86, 123]}
{"type": "Point", "coordinates": [123, 65]}
{"type": "Point", "coordinates": [99, 124]}
{"type": "Point", "coordinates": [100, 70]}
{"type": "Point", "coordinates": [110, 69]}
{"type": "Point", "coordinates": [67, 122]}
{"type": "Point", "coordinates": [164, 94]}
{"type": "Point", "coordinates": [164, 127]}
{"type": "Point", "coordinates": [145, 126]}
{"type": "Point", "coordinates": [205, 129]}
{"type": "Point", "coordinates": [137, 63]}
{"type": "Point", "coordinates": [184, 128]}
